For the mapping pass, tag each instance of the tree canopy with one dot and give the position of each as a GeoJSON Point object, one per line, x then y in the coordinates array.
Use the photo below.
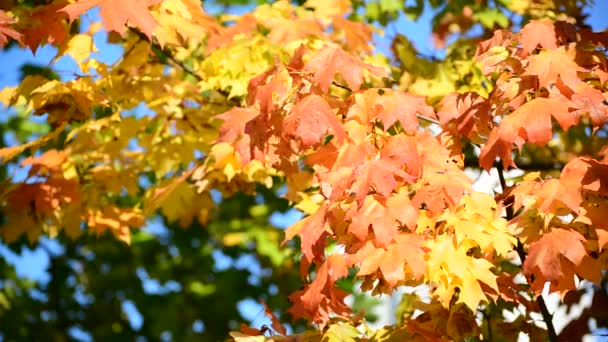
{"type": "Point", "coordinates": [153, 182]}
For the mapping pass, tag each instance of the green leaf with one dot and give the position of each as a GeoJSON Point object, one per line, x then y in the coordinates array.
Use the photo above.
{"type": "Point", "coordinates": [490, 17]}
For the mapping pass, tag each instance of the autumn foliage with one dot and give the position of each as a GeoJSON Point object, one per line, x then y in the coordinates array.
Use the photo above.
{"type": "Point", "coordinates": [378, 154]}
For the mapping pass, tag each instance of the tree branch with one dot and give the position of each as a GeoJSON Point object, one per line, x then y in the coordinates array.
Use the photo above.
{"type": "Point", "coordinates": [164, 53]}
{"type": "Point", "coordinates": [519, 248]}
{"type": "Point", "coordinates": [531, 166]}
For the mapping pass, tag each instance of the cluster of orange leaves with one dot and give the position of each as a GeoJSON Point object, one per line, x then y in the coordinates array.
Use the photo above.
{"type": "Point", "coordinates": [389, 200]}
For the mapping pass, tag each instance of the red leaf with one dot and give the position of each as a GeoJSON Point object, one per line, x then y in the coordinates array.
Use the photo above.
{"type": "Point", "coordinates": [357, 35]}
{"type": "Point", "coordinates": [116, 13]}
{"type": "Point", "coordinates": [538, 32]}
{"type": "Point", "coordinates": [310, 120]}
{"type": "Point", "coordinates": [376, 215]}
{"type": "Point", "coordinates": [389, 106]}
{"type": "Point", "coordinates": [331, 60]}
{"type": "Point", "coordinates": [529, 123]}
{"type": "Point", "coordinates": [407, 251]}
{"type": "Point", "coordinates": [276, 324]}
{"type": "Point", "coordinates": [233, 130]}
{"type": "Point", "coordinates": [549, 64]}
{"type": "Point", "coordinates": [268, 90]}
{"type": "Point", "coordinates": [46, 24]}
{"type": "Point", "coordinates": [322, 297]}
{"type": "Point", "coordinates": [469, 112]}
{"type": "Point", "coordinates": [546, 257]}
{"type": "Point", "coordinates": [225, 35]}
{"type": "Point", "coordinates": [312, 233]}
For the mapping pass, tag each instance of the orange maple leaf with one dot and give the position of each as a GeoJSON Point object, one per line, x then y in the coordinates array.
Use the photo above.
{"type": "Point", "coordinates": [116, 13]}
{"type": "Point", "coordinates": [469, 112]}
{"type": "Point", "coordinates": [6, 30]}
{"type": "Point", "coordinates": [389, 106]}
{"type": "Point", "coordinates": [322, 297]}
{"type": "Point", "coordinates": [269, 89]}
{"type": "Point", "coordinates": [538, 32]}
{"type": "Point", "coordinates": [529, 123]}
{"type": "Point", "coordinates": [357, 35]}
{"type": "Point", "coordinates": [555, 257]}
{"type": "Point", "coordinates": [310, 120]}
{"type": "Point", "coordinates": [223, 36]}
{"type": "Point", "coordinates": [46, 24]}
{"type": "Point", "coordinates": [331, 60]}
{"type": "Point", "coordinates": [407, 251]}
{"type": "Point", "coordinates": [233, 131]}
{"type": "Point", "coordinates": [549, 64]}
{"type": "Point", "coordinates": [312, 233]}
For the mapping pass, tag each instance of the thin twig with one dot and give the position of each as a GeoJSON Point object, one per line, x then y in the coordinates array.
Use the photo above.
{"type": "Point", "coordinates": [519, 248]}
{"type": "Point", "coordinates": [427, 119]}
{"type": "Point", "coordinates": [161, 52]}
{"type": "Point", "coordinates": [341, 86]}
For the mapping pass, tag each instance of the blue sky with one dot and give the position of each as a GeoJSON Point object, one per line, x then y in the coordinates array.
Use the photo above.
{"type": "Point", "coordinates": [32, 263]}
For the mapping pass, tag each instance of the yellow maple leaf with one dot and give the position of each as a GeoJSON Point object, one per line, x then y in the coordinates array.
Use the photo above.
{"type": "Point", "coordinates": [477, 221]}
{"type": "Point", "coordinates": [450, 268]}
{"type": "Point", "coordinates": [79, 47]}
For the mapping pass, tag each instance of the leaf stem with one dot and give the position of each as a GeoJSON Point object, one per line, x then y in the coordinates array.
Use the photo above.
{"type": "Point", "coordinates": [519, 248]}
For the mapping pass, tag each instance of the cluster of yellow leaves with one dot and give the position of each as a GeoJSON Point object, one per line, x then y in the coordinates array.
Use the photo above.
{"type": "Point", "coordinates": [462, 254]}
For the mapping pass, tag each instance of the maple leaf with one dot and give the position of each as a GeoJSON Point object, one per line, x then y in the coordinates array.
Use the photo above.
{"type": "Point", "coordinates": [233, 130]}
{"type": "Point", "coordinates": [50, 161]}
{"type": "Point", "coordinates": [276, 324]}
{"type": "Point", "coordinates": [221, 37]}
{"type": "Point", "coordinates": [477, 221]}
{"type": "Point", "coordinates": [538, 32]}
{"type": "Point", "coordinates": [329, 8]}
{"type": "Point", "coordinates": [389, 106]}
{"type": "Point", "coordinates": [469, 112]}
{"type": "Point", "coordinates": [548, 196]}
{"type": "Point", "coordinates": [553, 254]}
{"type": "Point", "coordinates": [183, 22]}
{"type": "Point", "coordinates": [357, 35]}
{"type": "Point", "coordinates": [450, 268]}
{"type": "Point", "coordinates": [178, 201]}
{"type": "Point", "coordinates": [395, 261]}
{"type": "Point", "coordinates": [310, 120]}
{"type": "Point", "coordinates": [529, 123]}
{"type": "Point", "coordinates": [587, 101]}
{"type": "Point", "coordinates": [375, 214]}
{"type": "Point", "coordinates": [549, 64]}
{"type": "Point", "coordinates": [46, 24]}
{"type": "Point", "coordinates": [588, 177]}
{"type": "Point", "coordinates": [443, 181]}
{"type": "Point", "coordinates": [269, 90]}
{"type": "Point", "coordinates": [331, 60]}
{"type": "Point", "coordinates": [116, 13]}
{"type": "Point", "coordinates": [312, 231]}
{"type": "Point", "coordinates": [382, 175]}
{"type": "Point", "coordinates": [293, 30]}
{"type": "Point", "coordinates": [6, 30]}
{"type": "Point", "coordinates": [322, 297]}
{"type": "Point", "coordinates": [79, 47]}
{"type": "Point", "coordinates": [501, 38]}
{"type": "Point", "coordinates": [116, 220]}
